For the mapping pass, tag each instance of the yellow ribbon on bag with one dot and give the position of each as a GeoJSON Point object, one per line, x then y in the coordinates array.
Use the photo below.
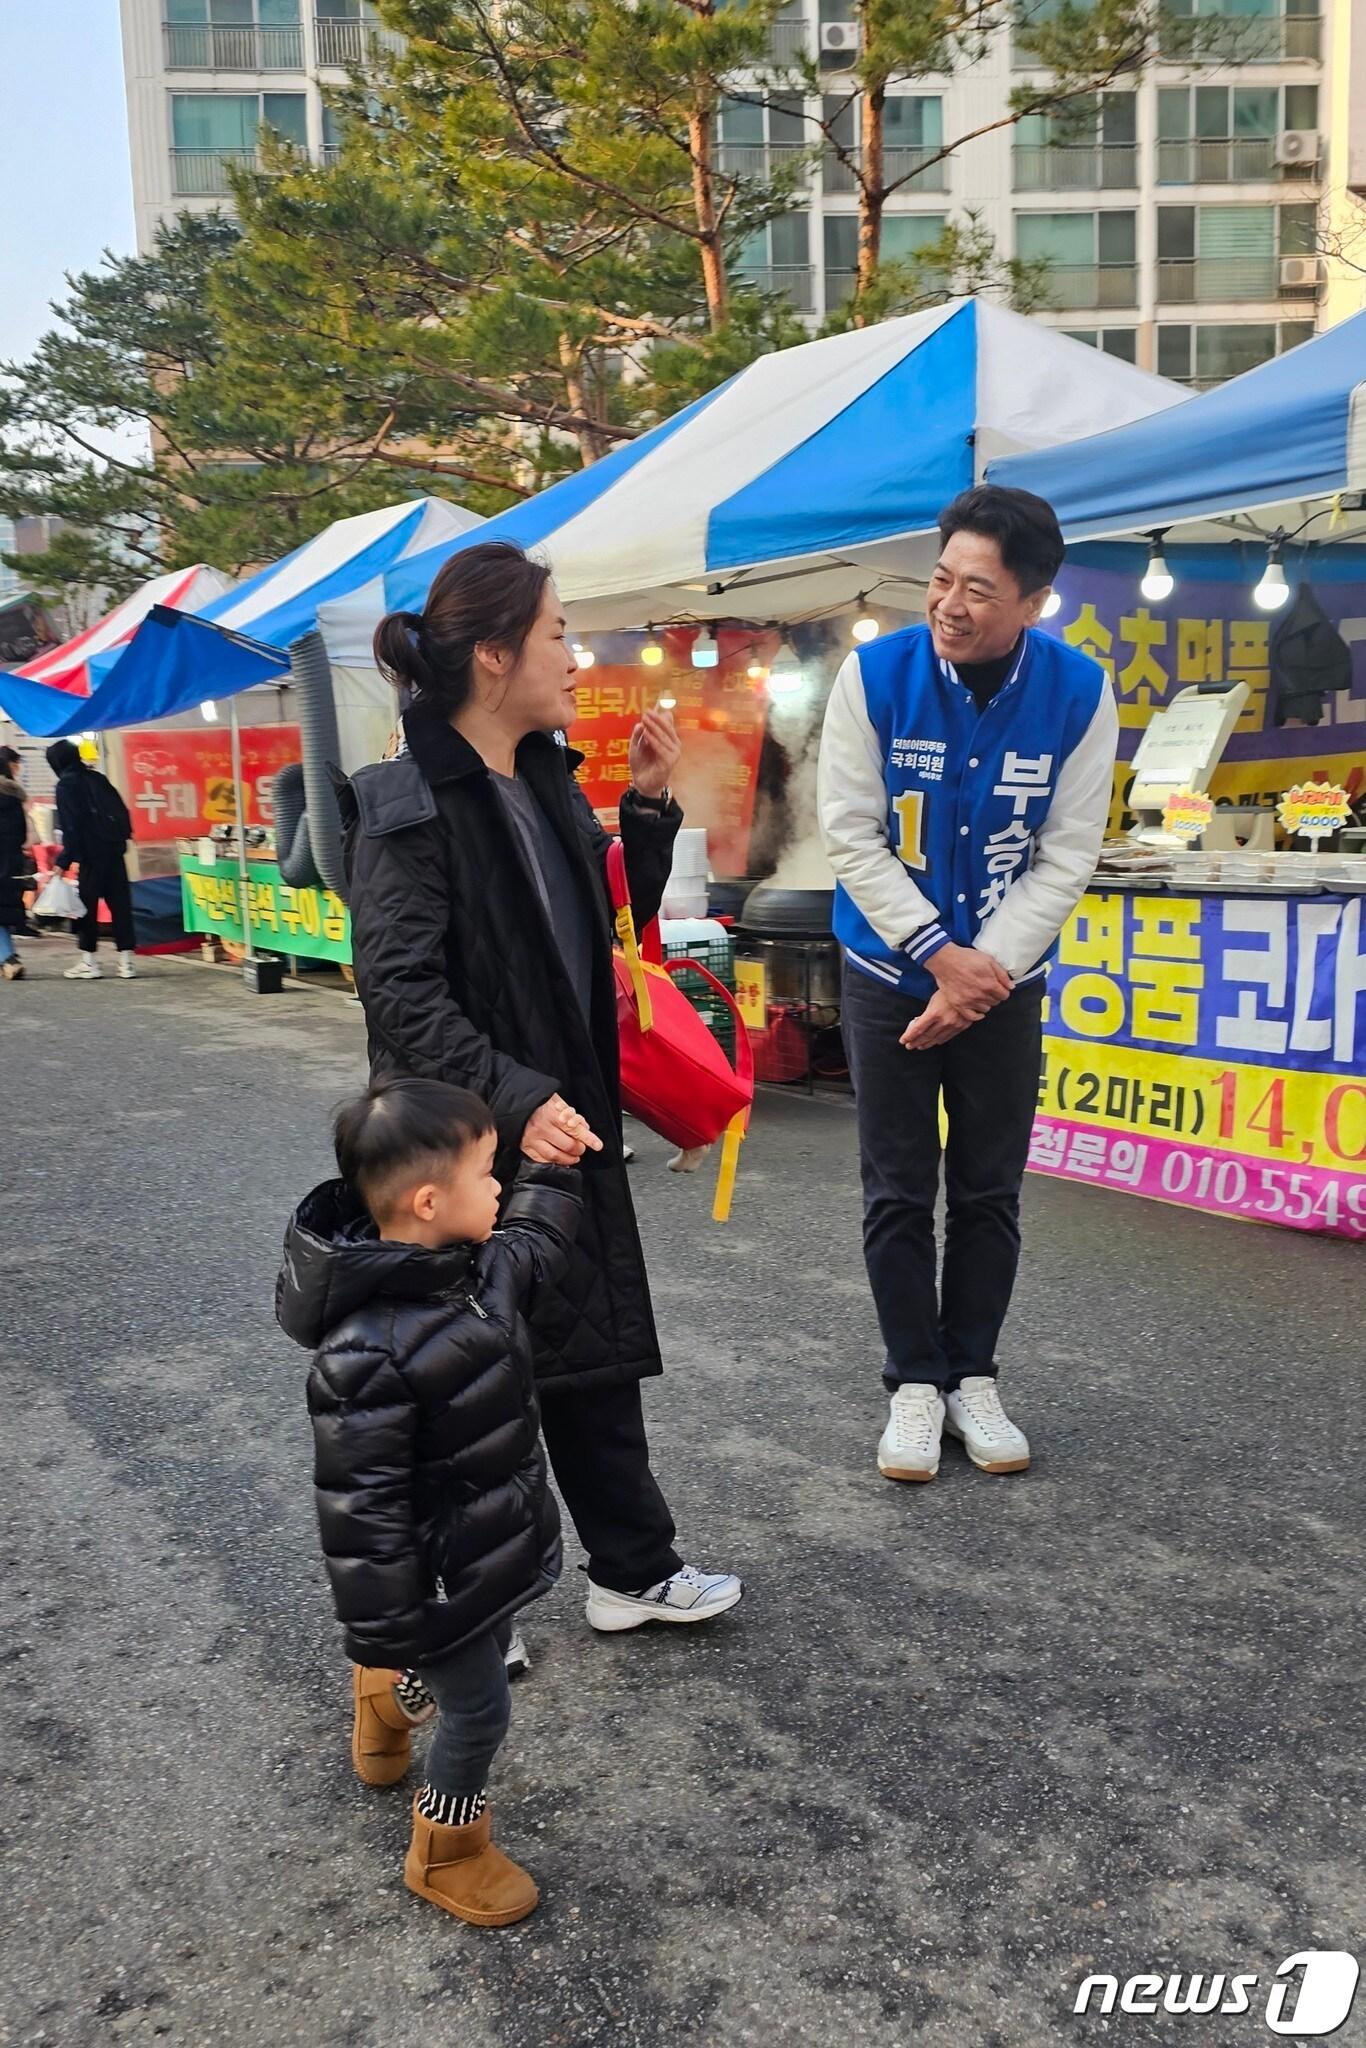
{"type": "Point", "coordinates": [626, 932]}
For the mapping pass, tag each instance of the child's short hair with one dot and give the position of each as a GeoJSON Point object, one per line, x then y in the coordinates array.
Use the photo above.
{"type": "Point", "coordinates": [403, 1131]}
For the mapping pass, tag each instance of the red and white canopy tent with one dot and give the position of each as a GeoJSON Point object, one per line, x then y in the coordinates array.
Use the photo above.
{"type": "Point", "coordinates": [65, 667]}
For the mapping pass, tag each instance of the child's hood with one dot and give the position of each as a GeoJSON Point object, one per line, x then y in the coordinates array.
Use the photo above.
{"type": "Point", "coordinates": [335, 1262]}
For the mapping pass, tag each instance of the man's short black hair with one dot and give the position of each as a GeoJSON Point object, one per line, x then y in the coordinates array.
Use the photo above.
{"type": "Point", "coordinates": [61, 755]}
{"type": "Point", "coordinates": [402, 1132]}
{"type": "Point", "coordinates": [1024, 528]}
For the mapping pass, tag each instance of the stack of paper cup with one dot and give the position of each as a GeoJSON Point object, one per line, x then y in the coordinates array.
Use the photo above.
{"type": "Point", "coordinates": [685, 892]}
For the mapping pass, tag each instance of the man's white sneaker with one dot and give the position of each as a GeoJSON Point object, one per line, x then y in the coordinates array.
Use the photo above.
{"type": "Point", "coordinates": [690, 1595]}
{"type": "Point", "coordinates": [84, 970]}
{"type": "Point", "coordinates": [987, 1433]}
{"type": "Point", "coordinates": [516, 1657]}
{"type": "Point", "coordinates": [909, 1448]}
{"type": "Point", "coordinates": [127, 971]}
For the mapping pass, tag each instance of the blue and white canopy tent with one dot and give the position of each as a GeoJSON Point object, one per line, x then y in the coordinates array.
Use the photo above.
{"type": "Point", "coordinates": [814, 475]}
{"type": "Point", "coordinates": [1269, 450]}
{"type": "Point", "coordinates": [177, 659]}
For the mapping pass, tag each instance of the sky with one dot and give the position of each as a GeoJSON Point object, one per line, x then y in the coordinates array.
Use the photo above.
{"type": "Point", "coordinates": [65, 188]}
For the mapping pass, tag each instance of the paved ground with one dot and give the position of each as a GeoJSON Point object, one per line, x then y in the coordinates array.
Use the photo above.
{"type": "Point", "coordinates": [961, 1745]}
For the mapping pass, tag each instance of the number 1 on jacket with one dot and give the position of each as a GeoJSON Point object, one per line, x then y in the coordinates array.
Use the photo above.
{"type": "Point", "coordinates": [910, 813]}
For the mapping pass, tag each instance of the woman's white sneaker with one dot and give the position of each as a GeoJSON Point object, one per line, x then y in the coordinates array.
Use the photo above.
{"type": "Point", "coordinates": [689, 1595]}
{"type": "Point", "coordinates": [987, 1434]}
{"type": "Point", "coordinates": [909, 1448]}
{"type": "Point", "coordinates": [86, 969]}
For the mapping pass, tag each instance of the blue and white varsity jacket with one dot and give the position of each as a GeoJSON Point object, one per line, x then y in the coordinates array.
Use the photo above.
{"type": "Point", "coordinates": [944, 823]}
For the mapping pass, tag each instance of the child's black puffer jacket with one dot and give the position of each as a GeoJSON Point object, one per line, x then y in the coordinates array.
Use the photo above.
{"type": "Point", "coordinates": [433, 1504]}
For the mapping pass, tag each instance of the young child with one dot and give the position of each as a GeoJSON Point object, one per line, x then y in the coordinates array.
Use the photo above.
{"type": "Point", "coordinates": [436, 1519]}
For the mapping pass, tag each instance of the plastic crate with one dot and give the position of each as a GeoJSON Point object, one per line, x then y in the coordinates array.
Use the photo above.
{"type": "Point", "coordinates": [718, 957]}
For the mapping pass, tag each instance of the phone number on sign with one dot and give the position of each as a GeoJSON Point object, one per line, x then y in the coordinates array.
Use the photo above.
{"type": "Point", "coordinates": [1302, 1199]}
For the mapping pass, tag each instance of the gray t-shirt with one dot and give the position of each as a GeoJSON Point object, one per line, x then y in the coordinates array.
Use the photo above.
{"type": "Point", "coordinates": [560, 893]}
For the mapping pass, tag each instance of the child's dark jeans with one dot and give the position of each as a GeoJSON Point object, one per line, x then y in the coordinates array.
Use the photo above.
{"type": "Point", "coordinates": [474, 1706]}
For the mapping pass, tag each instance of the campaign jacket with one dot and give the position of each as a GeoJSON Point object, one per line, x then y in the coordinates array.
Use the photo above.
{"type": "Point", "coordinates": [946, 824]}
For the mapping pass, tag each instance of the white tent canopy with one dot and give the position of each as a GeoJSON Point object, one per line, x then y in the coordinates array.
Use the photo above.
{"type": "Point", "coordinates": [814, 475]}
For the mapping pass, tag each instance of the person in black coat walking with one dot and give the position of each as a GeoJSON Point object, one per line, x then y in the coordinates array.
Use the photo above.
{"type": "Point", "coordinates": [13, 840]}
{"type": "Point", "coordinates": [96, 829]}
{"type": "Point", "coordinates": [481, 925]}
{"type": "Point", "coordinates": [436, 1516]}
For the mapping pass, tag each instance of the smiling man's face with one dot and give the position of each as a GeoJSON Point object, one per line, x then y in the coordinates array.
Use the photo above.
{"type": "Point", "coordinates": [975, 607]}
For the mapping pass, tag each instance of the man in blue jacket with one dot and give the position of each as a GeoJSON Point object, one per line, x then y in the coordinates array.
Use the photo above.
{"type": "Point", "coordinates": [965, 780]}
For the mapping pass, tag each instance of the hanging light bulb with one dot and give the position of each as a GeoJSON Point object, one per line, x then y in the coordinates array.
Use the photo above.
{"type": "Point", "coordinates": [1158, 582]}
{"type": "Point", "coordinates": [864, 628]}
{"type": "Point", "coordinates": [584, 656]}
{"type": "Point", "coordinates": [705, 652]}
{"type": "Point", "coordinates": [1273, 591]}
{"type": "Point", "coordinates": [785, 675]}
{"type": "Point", "coordinates": [652, 654]}
{"type": "Point", "coordinates": [756, 670]}
{"type": "Point", "coordinates": [1052, 605]}
{"type": "Point", "coordinates": [208, 711]}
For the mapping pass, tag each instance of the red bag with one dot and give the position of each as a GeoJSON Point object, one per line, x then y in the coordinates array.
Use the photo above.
{"type": "Point", "coordinates": [674, 1075]}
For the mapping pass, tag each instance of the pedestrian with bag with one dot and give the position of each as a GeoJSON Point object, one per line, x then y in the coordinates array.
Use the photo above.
{"type": "Point", "coordinates": [95, 828]}
{"type": "Point", "coordinates": [437, 1521]}
{"type": "Point", "coordinates": [482, 943]}
{"type": "Point", "coordinates": [965, 781]}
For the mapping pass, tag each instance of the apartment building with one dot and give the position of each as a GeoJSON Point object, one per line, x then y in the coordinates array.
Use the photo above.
{"type": "Point", "coordinates": [1179, 226]}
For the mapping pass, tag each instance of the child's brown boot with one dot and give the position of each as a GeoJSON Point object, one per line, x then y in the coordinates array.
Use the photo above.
{"type": "Point", "coordinates": [460, 1869]}
{"type": "Point", "coordinates": [381, 1746]}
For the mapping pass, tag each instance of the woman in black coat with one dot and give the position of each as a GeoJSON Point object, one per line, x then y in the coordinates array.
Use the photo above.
{"type": "Point", "coordinates": [481, 928]}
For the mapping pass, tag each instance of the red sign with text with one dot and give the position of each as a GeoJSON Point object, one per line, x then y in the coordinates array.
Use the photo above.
{"type": "Point", "coordinates": [179, 784]}
{"type": "Point", "coordinates": [720, 714]}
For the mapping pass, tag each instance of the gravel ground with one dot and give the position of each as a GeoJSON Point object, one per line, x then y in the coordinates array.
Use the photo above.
{"type": "Point", "coordinates": [960, 1747]}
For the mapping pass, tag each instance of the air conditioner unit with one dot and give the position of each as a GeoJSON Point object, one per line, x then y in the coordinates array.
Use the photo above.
{"type": "Point", "coordinates": [1298, 146]}
{"type": "Point", "coordinates": [840, 38]}
{"type": "Point", "coordinates": [1301, 273]}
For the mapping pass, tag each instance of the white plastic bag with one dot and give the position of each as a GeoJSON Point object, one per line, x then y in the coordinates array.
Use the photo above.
{"type": "Point", "coordinates": [59, 898]}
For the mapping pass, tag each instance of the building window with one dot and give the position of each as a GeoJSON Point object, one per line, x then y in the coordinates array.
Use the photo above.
{"type": "Point", "coordinates": [778, 259]}
{"type": "Point", "coordinates": [1242, 31]}
{"type": "Point", "coordinates": [912, 138]}
{"type": "Point", "coordinates": [1219, 134]}
{"type": "Point", "coordinates": [1090, 258]}
{"type": "Point", "coordinates": [904, 237]}
{"type": "Point", "coordinates": [1229, 253]}
{"type": "Point", "coordinates": [755, 136]}
{"type": "Point", "coordinates": [1095, 149]}
{"type": "Point", "coordinates": [1211, 354]}
{"type": "Point", "coordinates": [211, 132]}
{"type": "Point", "coordinates": [1111, 341]}
{"type": "Point", "coordinates": [233, 35]}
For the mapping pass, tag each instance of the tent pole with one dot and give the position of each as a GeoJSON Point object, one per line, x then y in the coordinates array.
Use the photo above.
{"type": "Point", "coordinates": [244, 880]}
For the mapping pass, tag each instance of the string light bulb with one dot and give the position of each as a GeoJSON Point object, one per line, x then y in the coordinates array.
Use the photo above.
{"type": "Point", "coordinates": [705, 652]}
{"type": "Point", "coordinates": [757, 670]}
{"type": "Point", "coordinates": [785, 674]}
{"type": "Point", "coordinates": [652, 654]}
{"type": "Point", "coordinates": [864, 627]}
{"type": "Point", "coordinates": [584, 656]}
{"type": "Point", "coordinates": [1052, 605]}
{"type": "Point", "coordinates": [1273, 591]}
{"type": "Point", "coordinates": [1158, 582]}
{"type": "Point", "coordinates": [208, 711]}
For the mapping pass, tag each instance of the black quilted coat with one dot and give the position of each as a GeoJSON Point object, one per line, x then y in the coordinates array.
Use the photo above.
{"type": "Point", "coordinates": [435, 1515]}
{"type": "Point", "coordinates": [13, 835]}
{"type": "Point", "coordinates": [462, 980]}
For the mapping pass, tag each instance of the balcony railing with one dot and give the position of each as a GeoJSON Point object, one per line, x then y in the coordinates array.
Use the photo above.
{"type": "Point", "coordinates": [925, 169]}
{"type": "Point", "coordinates": [351, 45]}
{"type": "Point", "coordinates": [1217, 280]}
{"type": "Point", "coordinates": [203, 173]}
{"type": "Point", "coordinates": [1076, 167]}
{"type": "Point", "coordinates": [1234, 160]}
{"type": "Point", "coordinates": [788, 42]}
{"type": "Point", "coordinates": [1243, 39]}
{"type": "Point", "coordinates": [793, 280]}
{"type": "Point", "coordinates": [757, 159]}
{"type": "Point", "coordinates": [203, 46]}
{"type": "Point", "coordinates": [1087, 287]}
